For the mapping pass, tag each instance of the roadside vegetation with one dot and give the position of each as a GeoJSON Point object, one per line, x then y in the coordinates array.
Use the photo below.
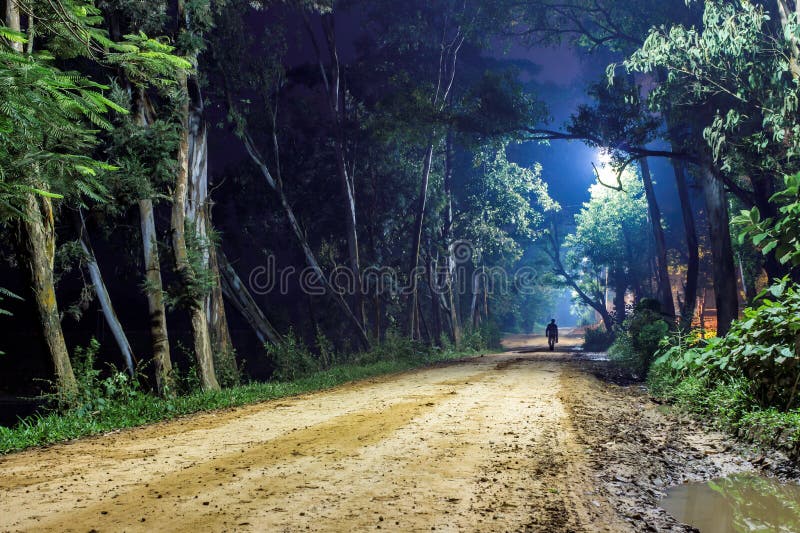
{"type": "Point", "coordinates": [113, 400]}
{"type": "Point", "coordinates": [748, 381]}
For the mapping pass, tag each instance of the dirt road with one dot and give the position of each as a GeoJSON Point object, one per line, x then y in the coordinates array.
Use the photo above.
{"type": "Point", "coordinates": [524, 440]}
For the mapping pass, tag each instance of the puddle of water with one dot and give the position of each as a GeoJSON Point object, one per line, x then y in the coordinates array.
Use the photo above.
{"type": "Point", "coordinates": [593, 356]}
{"type": "Point", "coordinates": [739, 503]}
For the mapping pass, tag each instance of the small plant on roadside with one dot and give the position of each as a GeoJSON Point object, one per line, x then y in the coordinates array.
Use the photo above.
{"type": "Point", "coordinates": [227, 371]}
{"type": "Point", "coordinates": [291, 358]}
{"type": "Point", "coordinates": [95, 393]}
{"type": "Point", "coordinates": [326, 349]}
{"type": "Point", "coordinates": [597, 339]}
{"type": "Point", "coordinates": [638, 340]}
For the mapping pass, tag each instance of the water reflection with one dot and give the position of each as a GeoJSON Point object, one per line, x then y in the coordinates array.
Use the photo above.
{"type": "Point", "coordinates": [739, 503]}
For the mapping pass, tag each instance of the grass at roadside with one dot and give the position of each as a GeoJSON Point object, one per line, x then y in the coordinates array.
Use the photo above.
{"type": "Point", "coordinates": [140, 408]}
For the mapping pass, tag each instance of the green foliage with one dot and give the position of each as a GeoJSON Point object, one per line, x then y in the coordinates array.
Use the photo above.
{"type": "Point", "coordinates": [726, 401]}
{"type": "Point", "coordinates": [225, 368]}
{"type": "Point", "coordinates": [747, 381]}
{"type": "Point", "coordinates": [506, 206]}
{"type": "Point", "coordinates": [597, 339]}
{"type": "Point", "coordinates": [291, 359]}
{"type": "Point", "coordinates": [609, 243]}
{"type": "Point", "coordinates": [5, 293]}
{"type": "Point", "coordinates": [325, 349]}
{"type": "Point", "coordinates": [780, 235]}
{"type": "Point", "coordinates": [95, 392]}
{"type": "Point", "coordinates": [198, 279]}
{"type": "Point", "coordinates": [738, 64]}
{"type": "Point", "coordinates": [639, 338]}
{"type": "Point", "coordinates": [760, 347]}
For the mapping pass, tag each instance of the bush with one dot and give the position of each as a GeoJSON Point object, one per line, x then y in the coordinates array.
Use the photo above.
{"type": "Point", "coordinates": [746, 382]}
{"type": "Point", "coordinates": [292, 359]}
{"type": "Point", "coordinates": [639, 339]}
{"type": "Point", "coordinates": [597, 339]}
{"type": "Point", "coordinates": [227, 371]}
{"type": "Point", "coordinates": [96, 394]}
{"type": "Point", "coordinates": [760, 347]}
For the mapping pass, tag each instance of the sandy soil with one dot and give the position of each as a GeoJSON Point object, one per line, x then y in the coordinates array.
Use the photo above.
{"type": "Point", "coordinates": [524, 440]}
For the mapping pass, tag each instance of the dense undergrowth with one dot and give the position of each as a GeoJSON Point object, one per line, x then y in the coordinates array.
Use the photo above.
{"type": "Point", "coordinates": [747, 383]}
{"type": "Point", "coordinates": [118, 401]}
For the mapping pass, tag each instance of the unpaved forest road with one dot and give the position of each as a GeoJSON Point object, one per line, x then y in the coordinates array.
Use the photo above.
{"type": "Point", "coordinates": [508, 442]}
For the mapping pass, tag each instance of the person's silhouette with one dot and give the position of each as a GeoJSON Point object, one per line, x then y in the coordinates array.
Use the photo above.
{"type": "Point", "coordinates": [552, 334]}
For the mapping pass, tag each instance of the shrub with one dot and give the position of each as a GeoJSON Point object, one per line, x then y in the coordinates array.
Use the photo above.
{"type": "Point", "coordinates": [326, 350]}
{"type": "Point", "coordinates": [291, 358]}
{"type": "Point", "coordinates": [638, 341]}
{"type": "Point", "coordinates": [597, 339]}
{"type": "Point", "coordinates": [227, 371]}
{"type": "Point", "coordinates": [95, 393]}
{"type": "Point", "coordinates": [760, 347]}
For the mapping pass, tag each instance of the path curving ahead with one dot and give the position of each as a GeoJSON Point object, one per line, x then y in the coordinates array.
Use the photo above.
{"type": "Point", "coordinates": [494, 443]}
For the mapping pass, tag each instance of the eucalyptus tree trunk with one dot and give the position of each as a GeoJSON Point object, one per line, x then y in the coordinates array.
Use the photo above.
{"type": "Point", "coordinates": [276, 184]}
{"type": "Point", "coordinates": [475, 312]}
{"type": "Point", "coordinates": [436, 313]}
{"type": "Point", "coordinates": [448, 57]}
{"type": "Point", "coordinates": [154, 286]}
{"type": "Point", "coordinates": [337, 108]}
{"type": "Point", "coordinates": [417, 236]}
{"type": "Point", "coordinates": [662, 274]}
{"type": "Point", "coordinates": [447, 235]}
{"type": "Point", "coordinates": [724, 271]}
{"type": "Point", "coordinates": [104, 298]}
{"type": "Point", "coordinates": [200, 331]}
{"type": "Point", "coordinates": [237, 294]}
{"type": "Point", "coordinates": [154, 290]}
{"type": "Point", "coordinates": [692, 247]}
{"type": "Point", "coordinates": [38, 240]}
{"type": "Point", "coordinates": [198, 216]}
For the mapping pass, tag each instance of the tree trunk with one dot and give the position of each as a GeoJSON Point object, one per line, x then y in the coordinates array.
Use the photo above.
{"type": "Point", "coordinates": [447, 71]}
{"type": "Point", "coordinates": [724, 271]}
{"type": "Point", "coordinates": [417, 235]}
{"type": "Point", "coordinates": [198, 215]}
{"type": "Point", "coordinates": [154, 291]}
{"type": "Point", "coordinates": [475, 312]}
{"type": "Point", "coordinates": [104, 298]}
{"type": "Point", "coordinates": [38, 240]}
{"type": "Point", "coordinates": [763, 189]}
{"type": "Point", "coordinates": [662, 273]}
{"type": "Point", "coordinates": [159, 336]}
{"type": "Point", "coordinates": [597, 305]}
{"type": "Point", "coordinates": [200, 331]}
{"type": "Point", "coordinates": [620, 286]}
{"type": "Point", "coordinates": [237, 294]}
{"type": "Point", "coordinates": [447, 233]}
{"type": "Point", "coordinates": [277, 186]}
{"type": "Point", "coordinates": [217, 317]}
{"type": "Point", "coordinates": [337, 110]}
{"type": "Point", "coordinates": [692, 247]}
{"type": "Point", "coordinates": [436, 334]}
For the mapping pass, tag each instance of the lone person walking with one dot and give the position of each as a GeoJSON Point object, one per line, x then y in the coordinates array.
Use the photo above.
{"type": "Point", "coordinates": [552, 334]}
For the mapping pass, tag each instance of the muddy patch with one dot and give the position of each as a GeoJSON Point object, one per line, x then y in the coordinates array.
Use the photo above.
{"type": "Point", "coordinates": [639, 450]}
